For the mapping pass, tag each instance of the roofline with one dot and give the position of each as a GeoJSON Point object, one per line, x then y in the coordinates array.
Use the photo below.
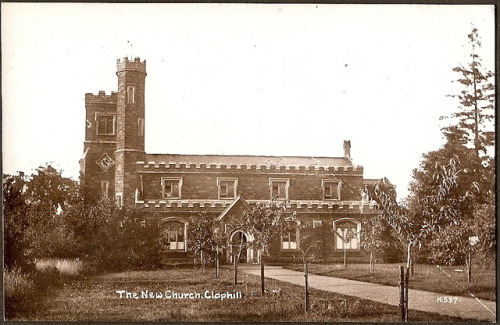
{"type": "Point", "coordinates": [218, 155]}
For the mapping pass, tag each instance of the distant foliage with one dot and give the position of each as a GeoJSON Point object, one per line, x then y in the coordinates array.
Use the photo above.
{"type": "Point", "coordinates": [49, 216]}
{"type": "Point", "coordinates": [34, 225]}
{"type": "Point", "coordinates": [449, 213]}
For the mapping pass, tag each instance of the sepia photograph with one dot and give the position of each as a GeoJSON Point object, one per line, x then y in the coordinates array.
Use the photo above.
{"type": "Point", "coordinates": [182, 162]}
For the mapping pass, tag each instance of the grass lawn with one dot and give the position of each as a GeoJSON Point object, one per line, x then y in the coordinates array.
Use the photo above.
{"type": "Point", "coordinates": [427, 277]}
{"type": "Point", "coordinates": [94, 298]}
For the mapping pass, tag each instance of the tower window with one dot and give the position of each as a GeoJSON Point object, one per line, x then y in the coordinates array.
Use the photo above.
{"type": "Point", "coordinates": [104, 189]}
{"type": "Point", "coordinates": [140, 126]}
{"type": "Point", "coordinates": [279, 188]}
{"type": "Point", "coordinates": [171, 187]}
{"type": "Point", "coordinates": [227, 188]}
{"type": "Point", "coordinates": [331, 189]}
{"type": "Point", "coordinates": [130, 94]}
{"type": "Point", "coordinates": [119, 200]}
{"type": "Point", "coordinates": [106, 124]}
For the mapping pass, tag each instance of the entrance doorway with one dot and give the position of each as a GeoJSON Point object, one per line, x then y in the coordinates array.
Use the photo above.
{"type": "Point", "coordinates": [239, 246]}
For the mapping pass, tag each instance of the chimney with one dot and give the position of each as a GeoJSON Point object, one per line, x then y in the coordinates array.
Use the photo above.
{"type": "Point", "coordinates": [347, 148]}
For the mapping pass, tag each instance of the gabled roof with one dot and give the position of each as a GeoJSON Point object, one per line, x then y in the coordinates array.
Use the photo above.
{"type": "Point", "coordinates": [237, 203]}
{"type": "Point", "coordinates": [249, 160]}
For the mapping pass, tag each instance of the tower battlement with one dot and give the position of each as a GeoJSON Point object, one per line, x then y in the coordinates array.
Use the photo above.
{"type": "Point", "coordinates": [100, 98]}
{"type": "Point", "coordinates": [126, 65]}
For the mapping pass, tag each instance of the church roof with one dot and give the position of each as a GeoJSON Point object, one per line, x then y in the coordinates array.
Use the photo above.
{"type": "Point", "coordinates": [248, 160]}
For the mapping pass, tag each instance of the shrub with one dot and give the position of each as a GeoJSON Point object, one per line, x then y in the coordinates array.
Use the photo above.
{"type": "Point", "coordinates": [63, 266]}
{"type": "Point", "coordinates": [18, 285]}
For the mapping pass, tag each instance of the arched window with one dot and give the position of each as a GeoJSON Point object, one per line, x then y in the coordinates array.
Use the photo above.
{"type": "Point", "coordinates": [173, 235]}
{"type": "Point", "coordinates": [347, 234]}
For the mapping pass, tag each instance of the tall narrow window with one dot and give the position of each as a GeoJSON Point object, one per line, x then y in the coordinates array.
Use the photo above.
{"type": "Point", "coordinates": [171, 187]}
{"type": "Point", "coordinates": [289, 240]}
{"type": "Point", "coordinates": [227, 188]}
{"type": "Point", "coordinates": [140, 126]}
{"type": "Point", "coordinates": [130, 94]}
{"type": "Point", "coordinates": [104, 189]}
{"type": "Point", "coordinates": [106, 124]}
{"type": "Point", "coordinates": [119, 202]}
{"type": "Point", "coordinates": [331, 189]}
{"type": "Point", "coordinates": [279, 188]}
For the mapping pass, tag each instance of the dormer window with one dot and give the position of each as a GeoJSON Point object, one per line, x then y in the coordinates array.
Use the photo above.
{"type": "Point", "coordinates": [331, 189]}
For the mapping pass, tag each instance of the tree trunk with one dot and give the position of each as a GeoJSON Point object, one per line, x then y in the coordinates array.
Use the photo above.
{"type": "Point", "coordinates": [372, 262]}
{"type": "Point", "coordinates": [262, 289]}
{"type": "Point", "coordinates": [235, 257]}
{"type": "Point", "coordinates": [194, 261]}
{"type": "Point", "coordinates": [345, 257]}
{"type": "Point", "coordinates": [306, 287]}
{"type": "Point", "coordinates": [202, 262]}
{"type": "Point", "coordinates": [217, 264]}
{"type": "Point", "coordinates": [468, 262]}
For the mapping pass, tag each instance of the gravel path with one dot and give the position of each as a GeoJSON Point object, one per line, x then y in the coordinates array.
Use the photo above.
{"type": "Point", "coordinates": [418, 300]}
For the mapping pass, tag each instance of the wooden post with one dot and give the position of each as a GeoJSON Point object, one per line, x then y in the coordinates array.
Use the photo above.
{"type": "Point", "coordinates": [306, 276]}
{"type": "Point", "coordinates": [262, 272]}
{"type": "Point", "coordinates": [402, 291]}
{"type": "Point", "coordinates": [407, 282]}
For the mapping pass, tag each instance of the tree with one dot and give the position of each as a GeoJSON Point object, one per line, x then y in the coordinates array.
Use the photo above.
{"type": "Point", "coordinates": [265, 224]}
{"type": "Point", "coordinates": [34, 225]}
{"type": "Point", "coordinates": [206, 237]}
{"type": "Point", "coordinates": [346, 233]}
{"type": "Point", "coordinates": [308, 248]}
{"type": "Point", "coordinates": [476, 100]}
{"type": "Point", "coordinates": [15, 221]}
{"type": "Point", "coordinates": [374, 237]}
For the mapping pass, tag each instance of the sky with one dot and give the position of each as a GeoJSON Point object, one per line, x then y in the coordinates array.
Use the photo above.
{"type": "Point", "coordinates": [256, 79]}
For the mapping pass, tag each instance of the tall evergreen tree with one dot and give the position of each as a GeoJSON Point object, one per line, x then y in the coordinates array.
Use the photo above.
{"type": "Point", "coordinates": [477, 101]}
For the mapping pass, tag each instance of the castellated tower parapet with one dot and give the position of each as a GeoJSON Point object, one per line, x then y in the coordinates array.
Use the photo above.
{"type": "Point", "coordinates": [100, 98]}
{"type": "Point", "coordinates": [135, 65]}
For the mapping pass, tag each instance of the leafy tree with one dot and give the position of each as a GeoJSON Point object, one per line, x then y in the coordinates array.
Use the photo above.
{"type": "Point", "coordinates": [265, 224]}
{"type": "Point", "coordinates": [33, 205]}
{"type": "Point", "coordinates": [114, 238]}
{"type": "Point", "coordinates": [15, 221]}
{"type": "Point", "coordinates": [206, 237]}
{"type": "Point", "coordinates": [346, 235]}
{"type": "Point", "coordinates": [476, 100]}
{"type": "Point", "coordinates": [308, 248]}
{"type": "Point", "coordinates": [374, 237]}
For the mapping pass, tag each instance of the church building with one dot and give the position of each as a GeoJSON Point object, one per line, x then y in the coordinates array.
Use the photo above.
{"type": "Point", "coordinates": [323, 192]}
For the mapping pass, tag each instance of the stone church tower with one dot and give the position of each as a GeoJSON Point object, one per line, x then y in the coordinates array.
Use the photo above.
{"type": "Point", "coordinates": [129, 127]}
{"type": "Point", "coordinates": [114, 135]}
